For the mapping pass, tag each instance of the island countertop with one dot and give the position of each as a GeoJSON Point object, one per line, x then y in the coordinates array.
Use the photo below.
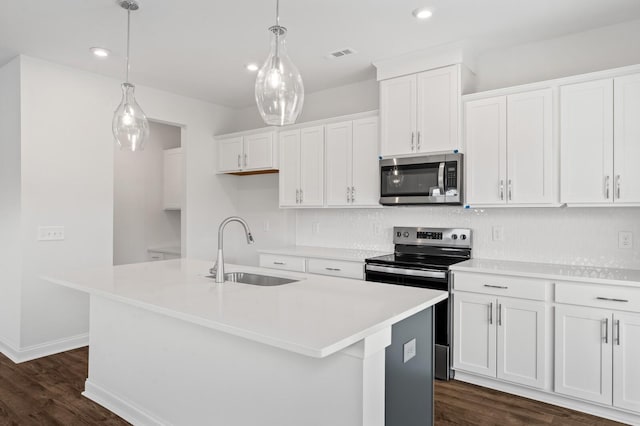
{"type": "Point", "coordinates": [315, 316]}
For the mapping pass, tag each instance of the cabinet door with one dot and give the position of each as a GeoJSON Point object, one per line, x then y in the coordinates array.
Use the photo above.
{"type": "Point", "coordinates": [583, 355]}
{"type": "Point", "coordinates": [521, 342]}
{"type": "Point", "coordinates": [289, 179]}
{"type": "Point", "coordinates": [586, 142]}
{"type": "Point", "coordinates": [366, 167]}
{"type": "Point", "coordinates": [398, 115]}
{"type": "Point", "coordinates": [437, 113]}
{"type": "Point", "coordinates": [230, 154]}
{"type": "Point", "coordinates": [486, 144]}
{"type": "Point", "coordinates": [173, 179]}
{"type": "Point", "coordinates": [338, 164]}
{"type": "Point", "coordinates": [626, 361]}
{"type": "Point", "coordinates": [474, 333]}
{"type": "Point", "coordinates": [258, 152]}
{"type": "Point", "coordinates": [530, 165]}
{"type": "Point", "coordinates": [312, 166]}
{"type": "Point", "coordinates": [627, 140]}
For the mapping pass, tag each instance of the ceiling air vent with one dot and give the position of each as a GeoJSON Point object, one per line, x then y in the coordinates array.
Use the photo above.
{"type": "Point", "coordinates": [341, 53]}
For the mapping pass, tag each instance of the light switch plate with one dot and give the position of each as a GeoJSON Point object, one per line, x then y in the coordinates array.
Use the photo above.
{"type": "Point", "coordinates": [497, 233]}
{"type": "Point", "coordinates": [409, 350]}
{"type": "Point", "coordinates": [50, 233]}
{"type": "Point", "coordinates": [625, 239]}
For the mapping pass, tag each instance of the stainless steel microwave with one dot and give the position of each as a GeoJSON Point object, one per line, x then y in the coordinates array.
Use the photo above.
{"type": "Point", "coordinates": [428, 179]}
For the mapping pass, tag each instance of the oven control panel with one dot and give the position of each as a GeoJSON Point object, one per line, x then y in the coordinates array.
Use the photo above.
{"type": "Point", "coordinates": [452, 237]}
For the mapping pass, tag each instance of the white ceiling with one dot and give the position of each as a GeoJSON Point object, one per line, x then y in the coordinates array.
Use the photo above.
{"type": "Point", "coordinates": [199, 48]}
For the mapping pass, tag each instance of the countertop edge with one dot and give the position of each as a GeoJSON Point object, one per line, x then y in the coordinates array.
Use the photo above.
{"type": "Point", "coordinates": [347, 255]}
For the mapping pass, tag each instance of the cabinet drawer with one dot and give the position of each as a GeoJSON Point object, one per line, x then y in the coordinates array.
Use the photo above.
{"type": "Point", "coordinates": [599, 296]}
{"type": "Point", "coordinates": [287, 263]}
{"type": "Point", "coordinates": [501, 285]}
{"type": "Point", "coordinates": [337, 268]}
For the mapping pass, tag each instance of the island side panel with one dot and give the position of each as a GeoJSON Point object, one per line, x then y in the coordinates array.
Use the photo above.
{"type": "Point", "coordinates": [409, 378]}
{"type": "Point", "coordinates": [154, 369]}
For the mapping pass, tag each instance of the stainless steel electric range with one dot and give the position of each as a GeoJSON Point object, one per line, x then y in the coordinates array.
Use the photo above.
{"type": "Point", "coordinates": [421, 258]}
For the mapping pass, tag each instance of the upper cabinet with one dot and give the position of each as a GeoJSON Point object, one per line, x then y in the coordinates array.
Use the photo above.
{"type": "Point", "coordinates": [509, 150]}
{"type": "Point", "coordinates": [600, 142]}
{"type": "Point", "coordinates": [173, 179]}
{"type": "Point", "coordinates": [352, 170]}
{"type": "Point", "coordinates": [248, 153]}
{"type": "Point", "coordinates": [419, 112]}
{"type": "Point", "coordinates": [302, 167]}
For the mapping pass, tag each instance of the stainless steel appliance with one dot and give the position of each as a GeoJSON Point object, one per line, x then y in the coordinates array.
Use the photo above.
{"type": "Point", "coordinates": [428, 179]}
{"type": "Point", "coordinates": [421, 258]}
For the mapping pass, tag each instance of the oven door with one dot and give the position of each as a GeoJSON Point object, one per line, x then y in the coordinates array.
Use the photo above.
{"type": "Point", "coordinates": [431, 179]}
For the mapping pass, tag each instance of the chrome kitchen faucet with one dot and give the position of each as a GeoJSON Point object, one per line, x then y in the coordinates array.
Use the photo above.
{"type": "Point", "coordinates": [218, 269]}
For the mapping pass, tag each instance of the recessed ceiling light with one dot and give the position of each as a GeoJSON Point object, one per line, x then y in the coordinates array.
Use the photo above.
{"type": "Point", "coordinates": [252, 67]}
{"type": "Point", "coordinates": [422, 13]}
{"type": "Point", "coordinates": [100, 52]}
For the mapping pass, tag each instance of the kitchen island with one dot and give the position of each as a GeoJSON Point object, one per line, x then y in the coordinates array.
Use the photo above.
{"type": "Point", "coordinates": [170, 346]}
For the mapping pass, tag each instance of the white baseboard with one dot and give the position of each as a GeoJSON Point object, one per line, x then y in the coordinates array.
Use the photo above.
{"type": "Point", "coordinates": [551, 398]}
{"type": "Point", "coordinates": [119, 406]}
{"type": "Point", "coordinates": [29, 353]}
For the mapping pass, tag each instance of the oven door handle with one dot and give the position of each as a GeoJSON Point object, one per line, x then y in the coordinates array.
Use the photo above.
{"type": "Point", "coordinates": [408, 272]}
{"type": "Point", "coordinates": [441, 178]}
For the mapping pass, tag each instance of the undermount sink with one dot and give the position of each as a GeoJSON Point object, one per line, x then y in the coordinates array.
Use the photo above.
{"type": "Point", "coordinates": [255, 279]}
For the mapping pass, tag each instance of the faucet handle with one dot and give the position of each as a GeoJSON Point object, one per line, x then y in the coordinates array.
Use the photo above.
{"type": "Point", "coordinates": [213, 270]}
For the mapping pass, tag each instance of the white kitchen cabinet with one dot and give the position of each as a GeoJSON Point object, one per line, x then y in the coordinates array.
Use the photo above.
{"type": "Point", "coordinates": [352, 171]}
{"type": "Point", "coordinates": [419, 112]}
{"type": "Point", "coordinates": [509, 144]}
{"type": "Point", "coordinates": [311, 265]}
{"type": "Point", "coordinates": [626, 179]}
{"type": "Point", "coordinates": [583, 354]}
{"type": "Point", "coordinates": [500, 337]}
{"type": "Point", "coordinates": [173, 179]}
{"type": "Point", "coordinates": [626, 361]}
{"type": "Point", "coordinates": [246, 153]}
{"type": "Point", "coordinates": [302, 167]}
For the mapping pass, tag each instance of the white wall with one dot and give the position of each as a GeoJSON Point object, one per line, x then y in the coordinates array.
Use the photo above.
{"type": "Point", "coordinates": [598, 49]}
{"type": "Point", "coordinates": [10, 255]}
{"type": "Point", "coordinates": [140, 220]}
{"type": "Point", "coordinates": [67, 179]}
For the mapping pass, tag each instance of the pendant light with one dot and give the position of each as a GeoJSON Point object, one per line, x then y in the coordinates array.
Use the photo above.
{"type": "Point", "coordinates": [130, 125]}
{"type": "Point", "coordinates": [279, 90]}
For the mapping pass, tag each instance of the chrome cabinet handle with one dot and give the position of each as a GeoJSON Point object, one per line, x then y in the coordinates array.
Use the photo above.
{"type": "Point", "coordinates": [413, 136]}
{"type": "Point", "coordinates": [510, 189]}
{"type": "Point", "coordinates": [245, 160]}
{"type": "Point", "coordinates": [418, 144]}
{"type": "Point", "coordinates": [491, 313]}
{"type": "Point", "coordinates": [500, 314]}
{"type": "Point", "coordinates": [348, 194]}
{"type": "Point", "coordinates": [606, 187]}
{"type": "Point", "coordinates": [297, 196]}
{"type": "Point", "coordinates": [301, 196]}
{"type": "Point", "coordinates": [239, 165]}
{"type": "Point", "coordinates": [618, 186]}
{"type": "Point", "coordinates": [353, 194]}
{"type": "Point", "coordinates": [503, 287]}
{"type": "Point", "coordinates": [333, 269]}
{"type": "Point", "coordinates": [501, 190]}
{"type": "Point", "coordinates": [606, 330]}
{"type": "Point", "coordinates": [279, 263]}
{"type": "Point", "coordinates": [609, 299]}
{"type": "Point", "coordinates": [618, 332]}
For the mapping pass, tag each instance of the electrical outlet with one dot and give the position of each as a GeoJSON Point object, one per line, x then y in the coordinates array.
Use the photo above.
{"type": "Point", "coordinates": [266, 226]}
{"type": "Point", "coordinates": [409, 350]}
{"type": "Point", "coordinates": [497, 233]}
{"type": "Point", "coordinates": [377, 229]}
{"type": "Point", "coordinates": [625, 239]}
{"type": "Point", "coordinates": [50, 233]}
{"type": "Point", "coordinates": [315, 228]}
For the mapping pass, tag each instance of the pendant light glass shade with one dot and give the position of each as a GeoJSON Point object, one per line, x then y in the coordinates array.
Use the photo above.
{"type": "Point", "coordinates": [130, 125]}
{"type": "Point", "coordinates": [279, 89]}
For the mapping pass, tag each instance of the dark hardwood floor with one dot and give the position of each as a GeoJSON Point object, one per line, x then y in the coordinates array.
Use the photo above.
{"type": "Point", "coordinates": [47, 391]}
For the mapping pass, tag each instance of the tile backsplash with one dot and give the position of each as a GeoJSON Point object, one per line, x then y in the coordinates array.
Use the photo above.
{"type": "Point", "coordinates": [574, 236]}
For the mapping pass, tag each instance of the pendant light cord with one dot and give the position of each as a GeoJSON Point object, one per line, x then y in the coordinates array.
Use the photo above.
{"type": "Point", "coordinates": [277, 33]}
{"type": "Point", "coordinates": [128, 40]}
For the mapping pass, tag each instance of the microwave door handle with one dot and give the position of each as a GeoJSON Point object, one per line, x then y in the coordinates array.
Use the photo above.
{"type": "Point", "coordinates": [441, 178]}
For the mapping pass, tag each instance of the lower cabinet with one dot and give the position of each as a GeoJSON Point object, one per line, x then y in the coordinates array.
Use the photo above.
{"type": "Point", "coordinates": [336, 268]}
{"type": "Point", "coordinates": [500, 337]}
{"type": "Point", "coordinates": [597, 355]}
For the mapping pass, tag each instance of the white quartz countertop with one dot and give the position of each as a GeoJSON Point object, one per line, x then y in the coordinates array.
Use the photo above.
{"type": "Point", "coordinates": [353, 255]}
{"type": "Point", "coordinates": [586, 274]}
{"type": "Point", "coordinates": [316, 316]}
{"type": "Point", "coordinates": [168, 249]}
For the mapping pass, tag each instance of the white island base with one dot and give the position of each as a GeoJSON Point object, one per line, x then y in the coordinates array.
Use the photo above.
{"type": "Point", "coordinates": [150, 368]}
